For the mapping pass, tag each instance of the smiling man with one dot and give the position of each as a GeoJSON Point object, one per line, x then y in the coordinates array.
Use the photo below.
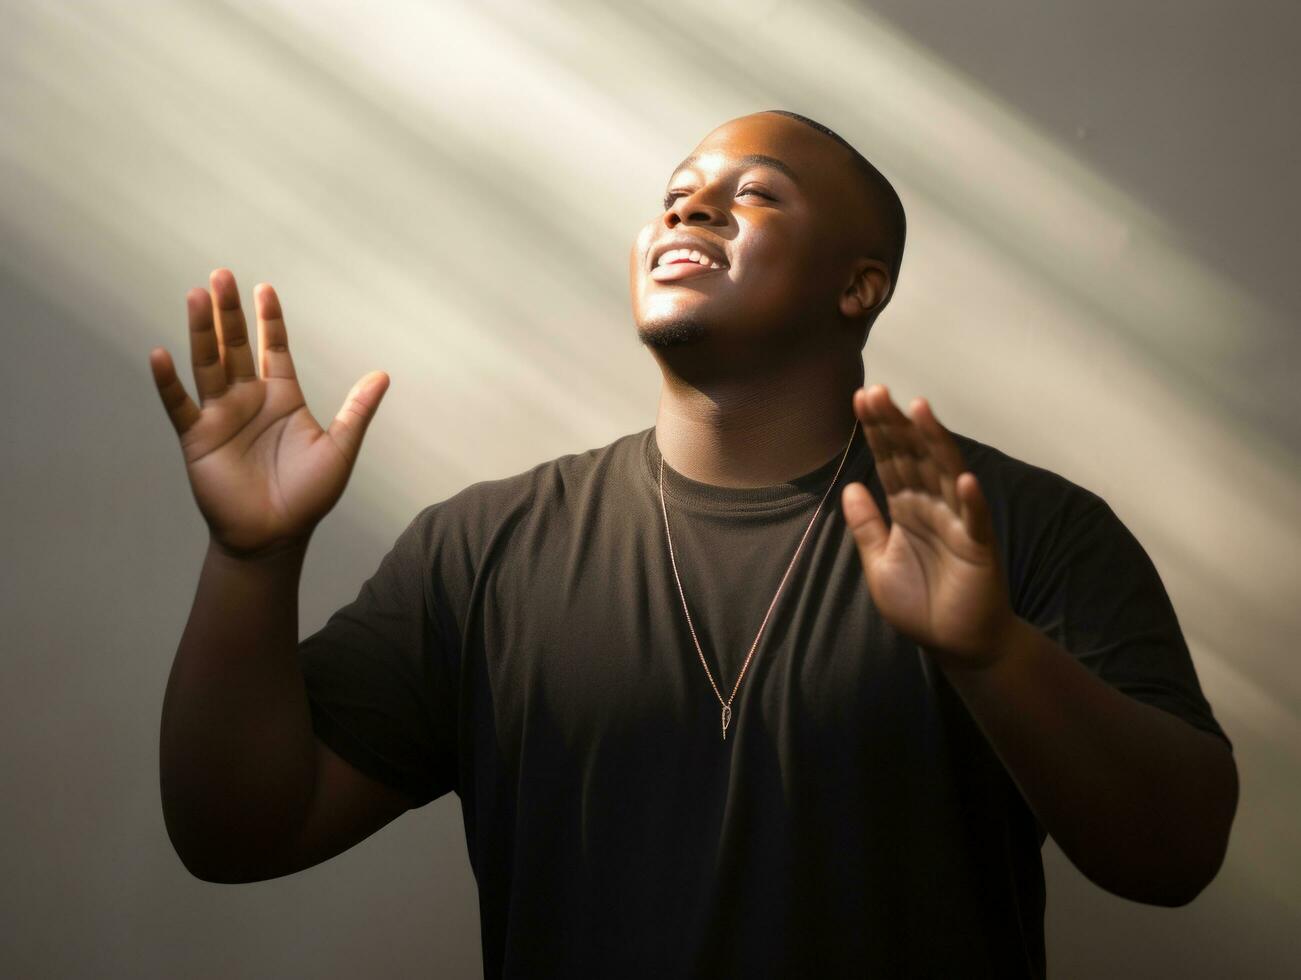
{"type": "Point", "coordinates": [789, 684]}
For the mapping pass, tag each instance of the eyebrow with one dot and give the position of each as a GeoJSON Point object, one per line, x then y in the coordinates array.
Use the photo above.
{"type": "Point", "coordinates": [751, 160]}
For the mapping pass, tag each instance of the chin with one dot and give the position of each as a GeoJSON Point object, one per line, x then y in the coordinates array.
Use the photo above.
{"type": "Point", "coordinates": [674, 332]}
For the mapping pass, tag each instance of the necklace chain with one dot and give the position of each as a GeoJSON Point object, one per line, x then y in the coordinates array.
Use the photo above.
{"type": "Point", "coordinates": [727, 705]}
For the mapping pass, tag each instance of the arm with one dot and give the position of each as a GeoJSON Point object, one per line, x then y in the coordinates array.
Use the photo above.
{"type": "Point", "coordinates": [1139, 800]}
{"type": "Point", "coordinates": [248, 792]}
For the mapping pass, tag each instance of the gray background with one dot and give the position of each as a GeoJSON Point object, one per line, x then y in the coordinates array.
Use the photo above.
{"type": "Point", "coordinates": [1100, 279]}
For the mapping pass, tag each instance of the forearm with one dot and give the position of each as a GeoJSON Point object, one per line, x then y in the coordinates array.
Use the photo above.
{"type": "Point", "coordinates": [237, 751]}
{"type": "Point", "coordinates": [1139, 800]}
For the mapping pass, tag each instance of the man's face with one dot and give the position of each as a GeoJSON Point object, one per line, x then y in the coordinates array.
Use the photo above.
{"type": "Point", "coordinates": [769, 232]}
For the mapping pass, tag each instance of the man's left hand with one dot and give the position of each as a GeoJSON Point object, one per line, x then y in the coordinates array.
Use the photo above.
{"type": "Point", "coordinates": [934, 572]}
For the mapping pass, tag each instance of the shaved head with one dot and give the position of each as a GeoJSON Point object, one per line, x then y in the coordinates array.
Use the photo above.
{"type": "Point", "coordinates": [884, 227]}
{"type": "Point", "coordinates": [791, 240]}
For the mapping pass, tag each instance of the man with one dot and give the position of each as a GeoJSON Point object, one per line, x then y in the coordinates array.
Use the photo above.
{"type": "Point", "coordinates": [703, 720]}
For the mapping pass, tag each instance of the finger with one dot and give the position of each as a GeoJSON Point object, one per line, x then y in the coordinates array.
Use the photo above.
{"type": "Point", "coordinates": [934, 462]}
{"type": "Point", "coordinates": [892, 427]}
{"type": "Point", "coordinates": [882, 452]}
{"type": "Point", "coordinates": [232, 330]}
{"type": "Point", "coordinates": [975, 510]}
{"type": "Point", "coordinates": [928, 466]}
{"type": "Point", "coordinates": [939, 440]}
{"type": "Point", "coordinates": [180, 407]}
{"type": "Point", "coordinates": [864, 520]}
{"type": "Point", "coordinates": [944, 450]}
{"type": "Point", "coordinates": [350, 424]}
{"type": "Point", "coordinates": [273, 339]}
{"type": "Point", "coordinates": [205, 354]}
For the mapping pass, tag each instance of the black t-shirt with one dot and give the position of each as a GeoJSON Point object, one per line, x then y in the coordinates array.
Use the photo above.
{"type": "Point", "coordinates": [524, 645]}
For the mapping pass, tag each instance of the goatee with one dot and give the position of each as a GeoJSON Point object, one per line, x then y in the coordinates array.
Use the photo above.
{"type": "Point", "coordinates": [672, 333]}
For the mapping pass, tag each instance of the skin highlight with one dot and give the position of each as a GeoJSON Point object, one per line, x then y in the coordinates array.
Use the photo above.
{"type": "Point", "coordinates": [761, 365]}
{"type": "Point", "coordinates": [762, 381]}
{"type": "Point", "coordinates": [760, 359]}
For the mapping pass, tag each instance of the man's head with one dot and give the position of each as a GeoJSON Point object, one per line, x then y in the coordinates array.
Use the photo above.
{"type": "Point", "coordinates": [801, 240]}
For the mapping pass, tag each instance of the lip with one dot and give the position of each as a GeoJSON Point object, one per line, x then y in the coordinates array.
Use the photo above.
{"type": "Point", "coordinates": [697, 242]}
{"type": "Point", "coordinates": [681, 270]}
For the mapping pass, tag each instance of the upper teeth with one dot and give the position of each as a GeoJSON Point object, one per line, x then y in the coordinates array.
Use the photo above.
{"type": "Point", "coordinates": [674, 254]}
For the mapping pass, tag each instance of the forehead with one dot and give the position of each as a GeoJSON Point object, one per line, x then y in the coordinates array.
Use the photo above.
{"type": "Point", "coordinates": [811, 158]}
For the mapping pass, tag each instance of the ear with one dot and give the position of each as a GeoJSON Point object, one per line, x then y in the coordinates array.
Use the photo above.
{"type": "Point", "coordinates": [867, 288]}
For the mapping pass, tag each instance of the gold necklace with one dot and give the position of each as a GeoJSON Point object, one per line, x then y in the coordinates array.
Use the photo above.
{"type": "Point", "coordinates": [727, 705]}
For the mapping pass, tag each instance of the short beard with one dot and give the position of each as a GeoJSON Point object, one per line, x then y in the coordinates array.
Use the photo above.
{"type": "Point", "coordinates": [678, 332]}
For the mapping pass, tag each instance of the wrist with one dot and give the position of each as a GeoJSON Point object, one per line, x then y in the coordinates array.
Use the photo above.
{"type": "Point", "coordinates": [286, 552]}
{"type": "Point", "coordinates": [1008, 645]}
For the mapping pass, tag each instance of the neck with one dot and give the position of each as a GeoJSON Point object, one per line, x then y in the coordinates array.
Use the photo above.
{"type": "Point", "coordinates": [761, 429]}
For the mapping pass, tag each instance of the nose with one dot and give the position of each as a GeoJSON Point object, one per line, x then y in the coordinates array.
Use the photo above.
{"type": "Point", "coordinates": [693, 209]}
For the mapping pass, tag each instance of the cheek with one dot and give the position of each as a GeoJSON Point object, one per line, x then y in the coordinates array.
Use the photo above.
{"type": "Point", "coordinates": [637, 256]}
{"type": "Point", "coordinates": [777, 269]}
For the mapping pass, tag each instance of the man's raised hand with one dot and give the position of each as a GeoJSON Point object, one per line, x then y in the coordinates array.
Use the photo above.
{"type": "Point", "coordinates": [262, 470]}
{"type": "Point", "coordinates": [934, 573]}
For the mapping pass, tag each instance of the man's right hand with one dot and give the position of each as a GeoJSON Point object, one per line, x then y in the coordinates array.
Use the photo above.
{"type": "Point", "coordinates": [262, 470]}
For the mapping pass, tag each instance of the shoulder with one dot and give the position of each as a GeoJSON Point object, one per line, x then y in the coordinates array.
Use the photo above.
{"type": "Point", "coordinates": [553, 480]}
{"type": "Point", "coordinates": [1044, 522]}
{"type": "Point", "coordinates": [1007, 478]}
{"type": "Point", "coordinates": [1078, 573]}
{"type": "Point", "coordinates": [1032, 505]}
{"type": "Point", "coordinates": [488, 509]}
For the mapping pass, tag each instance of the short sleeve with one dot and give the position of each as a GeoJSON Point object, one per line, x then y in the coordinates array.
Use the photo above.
{"type": "Point", "coordinates": [377, 678]}
{"type": "Point", "coordinates": [1095, 591]}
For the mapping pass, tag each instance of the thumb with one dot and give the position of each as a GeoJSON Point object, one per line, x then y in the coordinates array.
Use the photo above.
{"type": "Point", "coordinates": [349, 425]}
{"type": "Point", "coordinates": [865, 522]}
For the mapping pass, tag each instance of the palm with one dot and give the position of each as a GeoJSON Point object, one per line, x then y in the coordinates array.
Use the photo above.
{"type": "Point", "coordinates": [933, 574]}
{"type": "Point", "coordinates": [257, 462]}
{"type": "Point", "coordinates": [262, 469]}
{"type": "Point", "coordinates": [924, 590]}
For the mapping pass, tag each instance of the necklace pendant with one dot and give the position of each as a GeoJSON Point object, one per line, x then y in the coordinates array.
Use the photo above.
{"type": "Point", "coordinates": [727, 718]}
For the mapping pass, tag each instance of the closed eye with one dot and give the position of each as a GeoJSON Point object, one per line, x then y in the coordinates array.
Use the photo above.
{"type": "Point", "coordinates": [672, 196]}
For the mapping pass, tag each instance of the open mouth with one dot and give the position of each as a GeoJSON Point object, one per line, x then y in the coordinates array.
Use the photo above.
{"type": "Point", "coordinates": [684, 263]}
